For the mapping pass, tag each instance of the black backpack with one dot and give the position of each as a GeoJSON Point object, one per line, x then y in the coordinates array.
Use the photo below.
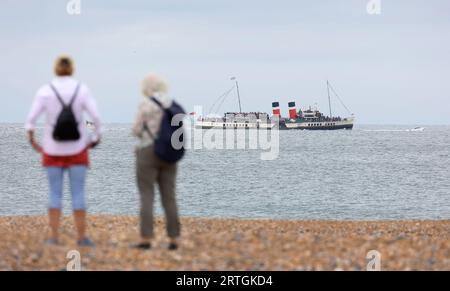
{"type": "Point", "coordinates": [66, 127]}
{"type": "Point", "coordinates": [164, 148]}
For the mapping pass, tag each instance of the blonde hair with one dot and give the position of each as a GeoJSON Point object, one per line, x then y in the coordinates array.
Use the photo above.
{"type": "Point", "coordinates": [64, 66]}
{"type": "Point", "coordinates": [153, 85]}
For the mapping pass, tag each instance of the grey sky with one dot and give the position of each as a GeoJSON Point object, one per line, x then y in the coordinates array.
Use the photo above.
{"type": "Point", "coordinates": [388, 68]}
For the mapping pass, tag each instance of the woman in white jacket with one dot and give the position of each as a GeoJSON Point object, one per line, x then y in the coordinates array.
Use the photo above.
{"type": "Point", "coordinates": [60, 156]}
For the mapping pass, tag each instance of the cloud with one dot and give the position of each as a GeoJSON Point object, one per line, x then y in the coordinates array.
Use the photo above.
{"type": "Point", "coordinates": [284, 50]}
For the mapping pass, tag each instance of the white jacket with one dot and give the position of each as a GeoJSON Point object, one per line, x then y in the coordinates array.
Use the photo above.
{"type": "Point", "coordinates": [46, 102]}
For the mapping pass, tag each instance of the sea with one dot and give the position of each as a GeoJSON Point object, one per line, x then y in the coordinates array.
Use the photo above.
{"type": "Point", "coordinates": [373, 172]}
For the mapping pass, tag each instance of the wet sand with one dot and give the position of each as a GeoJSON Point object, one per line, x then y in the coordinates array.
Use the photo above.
{"type": "Point", "coordinates": [227, 244]}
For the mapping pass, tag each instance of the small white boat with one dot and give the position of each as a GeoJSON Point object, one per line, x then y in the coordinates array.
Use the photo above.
{"type": "Point", "coordinates": [89, 124]}
{"type": "Point", "coordinates": [417, 129]}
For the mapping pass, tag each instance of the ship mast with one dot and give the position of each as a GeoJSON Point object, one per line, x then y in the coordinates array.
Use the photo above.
{"type": "Point", "coordinates": [329, 99]}
{"type": "Point", "coordinates": [239, 96]}
{"type": "Point", "coordinates": [339, 98]}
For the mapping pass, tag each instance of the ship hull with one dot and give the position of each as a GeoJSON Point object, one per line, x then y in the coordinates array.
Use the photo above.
{"type": "Point", "coordinates": [344, 124]}
{"type": "Point", "coordinates": [330, 127]}
{"type": "Point", "coordinates": [233, 125]}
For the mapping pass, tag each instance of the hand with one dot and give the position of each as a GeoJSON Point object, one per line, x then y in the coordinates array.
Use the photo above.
{"type": "Point", "coordinates": [37, 147]}
{"type": "Point", "coordinates": [94, 144]}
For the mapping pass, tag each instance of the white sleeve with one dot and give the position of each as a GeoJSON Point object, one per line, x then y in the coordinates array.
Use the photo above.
{"type": "Point", "coordinates": [36, 110]}
{"type": "Point", "coordinates": [91, 107]}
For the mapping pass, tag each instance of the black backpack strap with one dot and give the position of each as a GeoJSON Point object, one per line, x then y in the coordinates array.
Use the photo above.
{"type": "Point", "coordinates": [75, 94]}
{"type": "Point", "coordinates": [157, 102]}
{"type": "Point", "coordinates": [145, 124]}
{"type": "Point", "coordinates": [164, 109]}
{"type": "Point", "coordinates": [59, 96]}
{"type": "Point", "coordinates": [148, 131]}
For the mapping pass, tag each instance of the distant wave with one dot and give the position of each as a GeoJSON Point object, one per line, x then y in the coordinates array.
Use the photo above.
{"type": "Point", "coordinates": [396, 130]}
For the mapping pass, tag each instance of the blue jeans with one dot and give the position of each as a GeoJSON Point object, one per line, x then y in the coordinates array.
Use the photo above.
{"type": "Point", "coordinates": [77, 177]}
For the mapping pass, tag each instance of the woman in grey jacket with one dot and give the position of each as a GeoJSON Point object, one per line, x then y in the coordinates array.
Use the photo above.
{"type": "Point", "coordinates": [150, 169]}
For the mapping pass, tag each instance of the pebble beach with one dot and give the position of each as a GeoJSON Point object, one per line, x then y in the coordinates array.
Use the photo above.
{"type": "Point", "coordinates": [228, 244]}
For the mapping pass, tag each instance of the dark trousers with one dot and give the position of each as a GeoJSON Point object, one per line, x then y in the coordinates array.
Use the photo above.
{"type": "Point", "coordinates": [150, 170]}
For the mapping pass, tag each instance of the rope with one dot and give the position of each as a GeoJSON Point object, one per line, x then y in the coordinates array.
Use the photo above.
{"type": "Point", "coordinates": [342, 103]}
{"type": "Point", "coordinates": [221, 99]}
